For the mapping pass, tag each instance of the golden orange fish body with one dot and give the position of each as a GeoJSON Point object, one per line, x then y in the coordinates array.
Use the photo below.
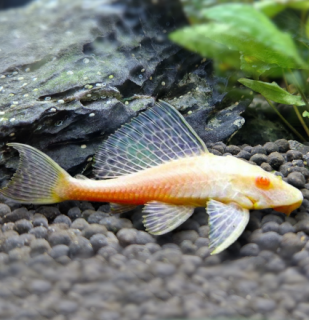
{"type": "Point", "coordinates": [158, 160]}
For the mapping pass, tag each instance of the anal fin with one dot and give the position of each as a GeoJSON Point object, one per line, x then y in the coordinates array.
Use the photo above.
{"type": "Point", "coordinates": [160, 217]}
{"type": "Point", "coordinates": [121, 208]}
{"type": "Point", "coordinates": [226, 222]}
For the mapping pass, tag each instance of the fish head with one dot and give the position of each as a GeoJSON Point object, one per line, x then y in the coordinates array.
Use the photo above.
{"type": "Point", "coordinates": [270, 191]}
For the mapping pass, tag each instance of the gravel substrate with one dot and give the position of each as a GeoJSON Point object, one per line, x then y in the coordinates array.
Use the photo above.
{"type": "Point", "coordinates": [75, 261]}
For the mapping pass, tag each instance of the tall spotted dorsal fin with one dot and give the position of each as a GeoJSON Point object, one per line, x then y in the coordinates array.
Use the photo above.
{"type": "Point", "coordinates": [158, 135]}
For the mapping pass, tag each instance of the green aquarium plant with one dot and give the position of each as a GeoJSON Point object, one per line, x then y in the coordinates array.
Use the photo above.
{"type": "Point", "coordinates": [245, 37]}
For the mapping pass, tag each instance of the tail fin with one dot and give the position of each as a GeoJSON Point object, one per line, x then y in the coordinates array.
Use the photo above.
{"type": "Point", "coordinates": [38, 178]}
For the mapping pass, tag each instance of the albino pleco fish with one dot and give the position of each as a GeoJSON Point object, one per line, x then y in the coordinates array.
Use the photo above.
{"type": "Point", "coordinates": [158, 160]}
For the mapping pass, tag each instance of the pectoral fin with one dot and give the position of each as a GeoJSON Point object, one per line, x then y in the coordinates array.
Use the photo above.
{"type": "Point", "coordinates": [162, 217]}
{"type": "Point", "coordinates": [226, 223]}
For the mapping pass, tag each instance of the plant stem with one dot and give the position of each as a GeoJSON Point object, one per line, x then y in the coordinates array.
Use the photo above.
{"type": "Point", "coordinates": [300, 118]}
{"type": "Point", "coordinates": [285, 121]}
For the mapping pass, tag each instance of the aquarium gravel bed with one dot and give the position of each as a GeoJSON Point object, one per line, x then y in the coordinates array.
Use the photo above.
{"type": "Point", "coordinates": [76, 261]}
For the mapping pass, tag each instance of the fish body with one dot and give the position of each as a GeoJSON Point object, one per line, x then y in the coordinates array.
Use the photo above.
{"type": "Point", "coordinates": [158, 160]}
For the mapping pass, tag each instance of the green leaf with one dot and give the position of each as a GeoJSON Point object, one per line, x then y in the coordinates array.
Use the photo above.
{"type": "Point", "coordinates": [269, 7]}
{"type": "Point", "coordinates": [243, 28]}
{"type": "Point", "coordinates": [195, 39]}
{"type": "Point", "coordinates": [306, 114]}
{"type": "Point", "coordinates": [272, 92]}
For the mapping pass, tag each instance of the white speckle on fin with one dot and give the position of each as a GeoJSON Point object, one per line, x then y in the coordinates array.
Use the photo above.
{"type": "Point", "coordinates": [226, 222]}
{"type": "Point", "coordinates": [160, 217]}
{"type": "Point", "coordinates": [158, 135]}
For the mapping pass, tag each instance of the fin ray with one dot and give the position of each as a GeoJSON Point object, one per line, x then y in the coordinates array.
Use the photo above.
{"type": "Point", "coordinates": [158, 135]}
{"type": "Point", "coordinates": [36, 178]}
{"type": "Point", "coordinates": [226, 223]}
{"type": "Point", "coordinates": [161, 217]}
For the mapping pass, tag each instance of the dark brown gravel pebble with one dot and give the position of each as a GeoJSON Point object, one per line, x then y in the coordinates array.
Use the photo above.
{"type": "Point", "coordinates": [64, 267]}
{"type": "Point", "coordinates": [271, 147]}
{"type": "Point", "coordinates": [258, 150]}
{"type": "Point", "coordinates": [266, 167]}
{"type": "Point", "coordinates": [294, 155]}
{"type": "Point", "coordinates": [275, 159]}
{"type": "Point", "coordinates": [283, 145]}
{"type": "Point", "coordinates": [258, 158]}
{"type": "Point", "coordinates": [296, 179]}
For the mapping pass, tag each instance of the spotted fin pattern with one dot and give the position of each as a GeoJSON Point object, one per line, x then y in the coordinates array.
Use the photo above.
{"type": "Point", "coordinates": [226, 222]}
{"type": "Point", "coordinates": [158, 135]}
{"type": "Point", "coordinates": [160, 217]}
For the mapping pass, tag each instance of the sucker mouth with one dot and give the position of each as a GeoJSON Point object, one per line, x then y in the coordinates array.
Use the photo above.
{"type": "Point", "coordinates": [288, 209]}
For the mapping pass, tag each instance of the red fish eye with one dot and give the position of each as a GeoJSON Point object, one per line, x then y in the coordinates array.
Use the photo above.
{"type": "Point", "coordinates": [262, 182]}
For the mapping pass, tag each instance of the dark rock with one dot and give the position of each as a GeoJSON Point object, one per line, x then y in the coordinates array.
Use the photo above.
{"type": "Point", "coordinates": [286, 227]}
{"type": "Point", "coordinates": [23, 226]}
{"type": "Point", "coordinates": [296, 179]}
{"type": "Point", "coordinates": [267, 241]}
{"type": "Point", "coordinates": [258, 158]}
{"type": "Point", "coordinates": [203, 252]}
{"type": "Point", "coordinates": [248, 149]}
{"type": "Point", "coordinates": [258, 150]}
{"type": "Point", "coordinates": [12, 242]}
{"type": "Point", "coordinates": [74, 213]}
{"type": "Point", "coordinates": [283, 145]}
{"type": "Point", "coordinates": [27, 238]}
{"type": "Point", "coordinates": [59, 251]}
{"type": "Point", "coordinates": [278, 218]}
{"type": "Point", "coordinates": [87, 213]}
{"type": "Point", "coordinates": [39, 220]}
{"type": "Point", "coordinates": [63, 219]}
{"type": "Point", "coordinates": [38, 247]}
{"type": "Point", "coordinates": [305, 193]}
{"type": "Point", "coordinates": [80, 248]}
{"type": "Point", "coordinates": [250, 249]}
{"type": "Point", "coordinates": [270, 226]}
{"type": "Point", "coordinates": [290, 244]}
{"type": "Point", "coordinates": [162, 269]}
{"type": "Point", "coordinates": [49, 212]}
{"type": "Point", "coordinates": [40, 286]}
{"type": "Point", "coordinates": [17, 214]}
{"type": "Point", "coordinates": [143, 237]}
{"type": "Point", "coordinates": [215, 152]}
{"type": "Point", "coordinates": [263, 305]}
{"type": "Point", "coordinates": [201, 242]}
{"type": "Point", "coordinates": [98, 241]}
{"type": "Point", "coordinates": [286, 168]}
{"type": "Point", "coordinates": [275, 159]}
{"type": "Point", "coordinates": [275, 265]}
{"type": "Point", "coordinates": [265, 166]}
{"type": "Point", "coordinates": [244, 155]}
{"type": "Point", "coordinates": [302, 225]}
{"type": "Point", "coordinates": [96, 217]}
{"type": "Point", "coordinates": [107, 252]}
{"type": "Point", "coordinates": [298, 257]}
{"type": "Point", "coordinates": [59, 237]}
{"type": "Point", "coordinates": [190, 224]}
{"type": "Point", "coordinates": [234, 150]}
{"type": "Point", "coordinates": [298, 163]}
{"type": "Point", "coordinates": [219, 147]}
{"type": "Point", "coordinates": [294, 155]}
{"type": "Point", "coordinates": [93, 229]}
{"type": "Point", "coordinates": [4, 210]}
{"type": "Point", "coordinates": [19, 254]}
{"type": "Point", "coordinates": [180, 236]}
{"type": "Point", "coordinates": [79, 224]}
{"type": "Point", "coordinates": [271, 147]}
{"type": "Point", "coordinates": [39, 232]}
{"type": "Point", "coordinates": [127, 236]}
{"type": "Point", "coordinates": [114, 224]}
{"type": "Point", "coordinates": [187, 247]}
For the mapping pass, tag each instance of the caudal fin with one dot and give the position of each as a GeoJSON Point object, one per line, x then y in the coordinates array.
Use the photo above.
{"type": "Point", "coordinates": [38, 178]}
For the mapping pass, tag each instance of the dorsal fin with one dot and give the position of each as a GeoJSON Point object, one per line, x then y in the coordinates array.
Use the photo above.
{"type": "Point", "coordinates": [158, 135]}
